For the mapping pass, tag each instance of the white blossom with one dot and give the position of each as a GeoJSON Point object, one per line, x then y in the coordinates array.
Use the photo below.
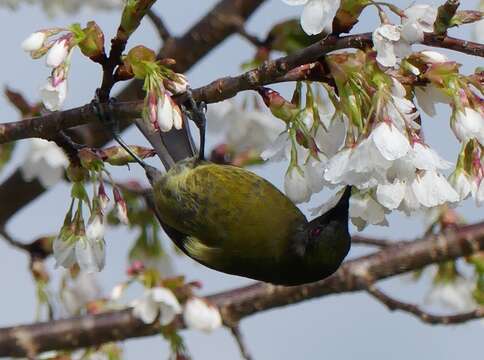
{"type": "Point", "coordinates": [57, 54]}
{"type": "Point", "coordinates": [432, 189]}
{"type": "Point", "coordinates": [468, 124]}
{"type": "Point", "coordinates": [461, 182]}
{"type": "Point", "coordinates": [158, 300]}
{"type": "Point", "coordinates": [252, 129]}
{"type": "Point", "coordinates": [34, 41]}
{"type": "Point", "coordinates": [199, 315]}
{"type": "Point", "coordinates": [434, 57]}
{"type": "Point", "coordinates": [317, 15]}
{"type": "Point", "coordinates": [296, 185]}
{"type": "Point", "coordinates": [279, 150]}
{"type": "Point", "coordinates": [423, 157]}
{"type": "Point", "coordinates": [64, 251]}
{"type": "Point", "coordinates": [428, 96]}
{"type": "Point", "coordinates": [164, 114]}
{"type": "Point", "coordinates": [122, 212]}
{"type": "Point", "coordinates": [337, 166]}
{"type": "Point", "coordinates": [365, 210]}
{"type": "Point", "coordinates": [45, 161]}
{"type": "Point", "coordinates": [391, 195]}
{"type": "Point", "coordinates": [330, 141]}
{"type": "Point", "coordinates": [244, 129]}
{"type": "Point", "coordinates": [53, 95]}
{"type": "Point", "coordinates": [219, 113]}
{"type": "Point", "coordinates": [314, 173]}
{"type": "Point", "coordinates": [418, 20]}
{"type": "Point", "coordinates": [456, 295]}
{"type": "Point", "coordinates": [388, 45]}
{"type": "Point", "coordinates": [391, 143]}
{"type": "Point", "coordinates": [90, 251]}
{"type": "Point", "coordinates": [84, 289]}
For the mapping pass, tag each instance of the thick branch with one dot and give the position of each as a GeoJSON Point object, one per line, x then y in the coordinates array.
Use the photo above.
{"type": "Point", "coordinates": [204, 36]}
{"type": "Point", "coordinates": [242, 302]}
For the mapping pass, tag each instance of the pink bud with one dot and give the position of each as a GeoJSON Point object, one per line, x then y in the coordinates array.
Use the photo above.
{"type": "Point", "coordinates": [102, 196]}
{"type": "Point", "coordinates": [121, 207]}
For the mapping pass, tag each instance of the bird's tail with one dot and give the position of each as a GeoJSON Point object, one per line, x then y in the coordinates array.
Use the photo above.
{"type": "Point", "coordinates": [171, 146]}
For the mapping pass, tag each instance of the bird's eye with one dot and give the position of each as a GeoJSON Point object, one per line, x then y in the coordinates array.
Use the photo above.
{"type": "Point", "coordinates": [315, 232]}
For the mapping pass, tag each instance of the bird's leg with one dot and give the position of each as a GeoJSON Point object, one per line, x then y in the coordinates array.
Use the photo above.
{"type": "Point", "coordinates": [112, 124]}
{"type": "Point", "coordinates": [196, 111]}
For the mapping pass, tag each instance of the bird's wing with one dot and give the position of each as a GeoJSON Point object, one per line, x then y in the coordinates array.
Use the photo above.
{"type": "Point", "coordinates": [231, 209]}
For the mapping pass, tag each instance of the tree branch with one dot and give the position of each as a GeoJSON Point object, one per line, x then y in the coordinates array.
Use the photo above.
{"type": "Point", "coordinates": [159, 24]}
{"type": "Point", "coordinates": [394, 304]}
{"type": "Point", "coordinates": [239, 303]}
{"type": "Point", "coordinates": [239, 338]}
{"type": "Point", "coordinates": [381, 243]}
{"type": "Point", "coordinates": [204, 36]}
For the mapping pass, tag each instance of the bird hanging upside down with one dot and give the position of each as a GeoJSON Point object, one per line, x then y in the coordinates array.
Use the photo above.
{"type": "Point", "coordinates": [231, 220]}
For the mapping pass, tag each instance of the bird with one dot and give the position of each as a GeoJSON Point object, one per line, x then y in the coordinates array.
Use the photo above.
{"type": "Point", "coordinates": [234, 221]}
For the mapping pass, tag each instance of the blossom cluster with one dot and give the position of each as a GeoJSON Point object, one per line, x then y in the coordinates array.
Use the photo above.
{"type": "Point", "coordinates": [160, 113]}
{"type": "Point", "coordinates": [57, 45]}
{"type": "Point", "coordinates": [371, 138]}
{"type": "Point", "coordinates": [78, 243]}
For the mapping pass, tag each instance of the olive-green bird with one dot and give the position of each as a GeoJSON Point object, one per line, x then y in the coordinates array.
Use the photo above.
{"type": "Point", "coordinates": [232, 220]}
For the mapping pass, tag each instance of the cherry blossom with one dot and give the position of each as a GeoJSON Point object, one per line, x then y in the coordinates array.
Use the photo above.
{"type": "Point", "coordinates": [200, 315]}
{"type": "Point", "coordinates": [418, 20]}
{"type": "Point", "coordinates": [467, 124]}
{"type": "Point", "coordinates": [44, 161]}
{"type": "Point", "coordinates": [389, 45]}
{"type": "Point", "coordinates": [296, 186]}
{"type": "Point", "coordinates": [53, 96]}
{"type": "Point", "coordinates": [58, 53]}
{"type": "Point", "coordinates": [157, 301]}
{"type": "Point", "coordinates": [34, 41]}
{"type": "Point", "coordinates": [317, 15]}
{"type": "Point", "coordinates": [90, 251]}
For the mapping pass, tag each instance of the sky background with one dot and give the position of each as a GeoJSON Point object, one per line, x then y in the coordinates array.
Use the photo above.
{"type": "Point", "coordinates": [341, 327]}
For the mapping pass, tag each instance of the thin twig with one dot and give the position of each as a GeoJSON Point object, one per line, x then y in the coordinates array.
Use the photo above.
{"type": "Point", "coordinates": [12, 242]}
{"type": "Point", "coordinates": [118, 44]}
{"type": "Point", "coordinates": [394, 304]}
{"type": "Point", "coordinates": [159, 25]}
{"type": "Point", "coordinates": [239, 338]}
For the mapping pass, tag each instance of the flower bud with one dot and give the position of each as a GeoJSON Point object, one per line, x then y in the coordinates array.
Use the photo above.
{"type": "Point", "coordinates": [57, 54]}
{"type": "Point", "coordinates": [124, 72]}
{"type": "Point", "coordinates": [136, 268]}
{"type": "Point", "coordinates": [93, 43]}
{"type": "Point", "coordinates": [116, 155]}
{"type": "Point", "coordinates": [165, 113]}
{"type": "Point", "coordinates": [176, 86]}
{"type": "Point", "coordinates": [121, 207]}
{"type": "Point", "coordinates": [200, 315]}
{"type": "Point", "coordinates": [90, 159]}
{"type": "Point", "coordinates": [102, 196]}
{"type": "Point", "coordinates": [54, 93]}
{"type": "Point", "coordinates": [280, 107]}
{"type": "Point", "coordinates": [34, 42]}
{"type": "Point", "coordinates": [77, 173]}
{"type": "Point", "coordinates": [138, 57]}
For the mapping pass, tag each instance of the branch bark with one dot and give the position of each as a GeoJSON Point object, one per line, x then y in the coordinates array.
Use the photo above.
{"type": "Point", "coordinates": [239, 303]}
{"type": "Point", "coordinates": [211, 30]}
